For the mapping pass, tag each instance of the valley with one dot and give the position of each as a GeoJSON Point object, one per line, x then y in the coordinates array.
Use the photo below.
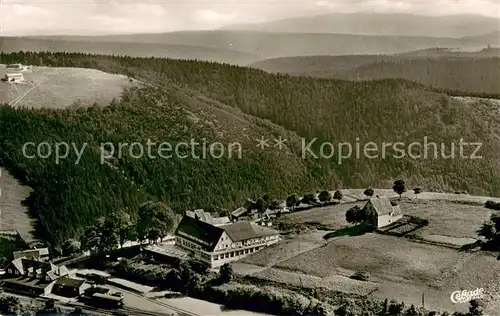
{"type": "Point", "coordinates": [349, 192]}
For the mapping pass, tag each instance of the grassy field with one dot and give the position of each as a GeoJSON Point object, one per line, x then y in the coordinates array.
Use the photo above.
{"type": "Point", "coordinates": [332, 216]}
{"type": "Point", "coordinates": [62, 87]}
{"type": "Point", "coordinates": [14, 216]}
{"type": "Point", "coordinates": [400, 268]}
{"type": "Point", "coordinates": [449, 222]}
{"type": "Point", "coordinates": [335, 282]}
{"type": "Point", "coordinates": [285, 249]}
{"type": "Point", "coordinates": [403, 269]}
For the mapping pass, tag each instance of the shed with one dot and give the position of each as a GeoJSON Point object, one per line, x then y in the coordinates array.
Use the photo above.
{"type": "Point", "coordinates": [14, 77]}
{"type": "Point", "coordinates": [68, 287]}
{"type": "Point", "coordinates": [381, 212]}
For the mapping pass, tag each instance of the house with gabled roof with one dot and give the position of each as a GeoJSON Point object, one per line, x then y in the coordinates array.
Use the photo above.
{"type": "Point", "coordinates": [380, 212]}
{"type": "Point", "coordinates": [208, 218]}
{"type": "Point", "coordinates": [36, 269]}
{"type": "Point", "coordinates": [217, 245]}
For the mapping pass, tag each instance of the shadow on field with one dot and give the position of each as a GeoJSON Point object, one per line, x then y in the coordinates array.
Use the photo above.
{"type": "Point", "coordinates": [357, 230]}
{"type": "Point", "coordinates": [475, 245]}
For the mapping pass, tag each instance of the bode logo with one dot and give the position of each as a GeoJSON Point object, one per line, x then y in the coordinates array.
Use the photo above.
{"type": "Point", "coordinates": [466, 296]}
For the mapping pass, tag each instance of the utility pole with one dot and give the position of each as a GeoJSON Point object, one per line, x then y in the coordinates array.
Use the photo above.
{"type": "Point", "coordinates": [423, 300]}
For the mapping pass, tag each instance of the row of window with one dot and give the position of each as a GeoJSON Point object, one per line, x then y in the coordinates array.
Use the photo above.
{"type": "Point", "coordinates": [188, 244]}
{"type": "Point", "coordinates": [197, 239]}
{"type": "Point", "coordinates": [237, 253]}
{"type": "Point", "coordinates": [247, 242]}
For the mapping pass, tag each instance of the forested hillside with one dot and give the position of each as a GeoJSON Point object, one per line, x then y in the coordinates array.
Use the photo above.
{"type": "Point", "coordinates": [233, 104]}
{"type": "Point", "coordinates": [479, 73]}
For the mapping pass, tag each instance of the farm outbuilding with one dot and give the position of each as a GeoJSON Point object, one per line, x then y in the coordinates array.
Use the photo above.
{"type": "Point", "coordinates": [14, 77]}
{"type": "Point", "coordinates": [68, 287]}
{"type": "Point", "coordinates": [18, 67]}
{"type": "Point", "coordinates": [382, 212]}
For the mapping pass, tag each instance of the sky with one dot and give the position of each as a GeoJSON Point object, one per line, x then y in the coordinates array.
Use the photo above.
{"type": "Point", "coordinates": [94, 17]}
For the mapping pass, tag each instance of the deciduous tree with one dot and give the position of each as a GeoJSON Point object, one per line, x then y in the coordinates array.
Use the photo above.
{"type": "Point", "coordinates": [399, 187]}
{"type": "Point", "coordinates": [338, 195]}
{"type": "Point", "coordinates": [369, 192]}
{"type": "Point", "coordinates": [293, 201]}
{"type": "Point", "coordinates": [155, 221]}
{"type": "Point", "coordinates": [325, 196]}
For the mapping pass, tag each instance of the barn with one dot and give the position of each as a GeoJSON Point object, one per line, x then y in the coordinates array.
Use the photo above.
{"type": "Point", "coordinates": [14, 77]}
{"type": "Point", "coordinates": [68, 287]}
{"type": "Point", "coordinates": [381, 212]}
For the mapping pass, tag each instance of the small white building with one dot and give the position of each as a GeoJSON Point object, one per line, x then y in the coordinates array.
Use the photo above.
{"type": "Point", "coordinates": [18, 67]}
{"type": "Point", "coordinates": [14, 77]}
{"type": "Point", "coordinates": [381, 212]}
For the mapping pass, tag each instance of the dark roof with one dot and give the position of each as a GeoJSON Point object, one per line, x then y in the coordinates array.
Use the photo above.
{"type": "Point", "coordinates": [239, 211]}
{"type": "Point", "coordinates": [383, 206]}
{"type": "Point", "coordinates": [70, 282]}
{"type": "Point", "coordinates": [201, 230]}
{"type": "Point", "coordinates": [245, 230]}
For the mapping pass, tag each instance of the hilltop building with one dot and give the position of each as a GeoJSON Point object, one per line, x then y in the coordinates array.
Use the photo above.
{"type": "Point", "coordinates": [217, 245]}
{"type": "Point", "coordinates": [18, 67]}
{"type": "Point", "coordinates": [14, 77]}
{"type": "Point", "coordinates": [381, 212]}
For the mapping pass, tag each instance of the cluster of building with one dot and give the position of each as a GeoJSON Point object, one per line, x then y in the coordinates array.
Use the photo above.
{"type": "Point", "coordinates": [220, 240]}
{"type": "Point", "coordinates": [31, 273]}
{"type": "Point", "coordinates": [15, 73]}
{"type": "Point", "coordinates": [200, 235]}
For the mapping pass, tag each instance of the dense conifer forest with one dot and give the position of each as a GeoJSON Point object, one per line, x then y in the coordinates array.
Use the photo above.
{"type": "Point", "coordinates": [471, 74]}
{"type": "Point", "coordinates": [219, 102]}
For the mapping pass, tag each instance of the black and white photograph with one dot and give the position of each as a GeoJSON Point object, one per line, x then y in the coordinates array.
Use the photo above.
{"type": "Point", "coordinates": [250, 157]}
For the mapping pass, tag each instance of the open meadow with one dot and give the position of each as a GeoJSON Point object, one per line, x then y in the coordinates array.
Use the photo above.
{"type": "Point", "coordinates": [52, 87]}
{"type": "Point", "coordinates": [332, 216]}
{"type": "Point", "coordinates": [448, 222]}
{"type": "Point", "coordinates": [399, 268]}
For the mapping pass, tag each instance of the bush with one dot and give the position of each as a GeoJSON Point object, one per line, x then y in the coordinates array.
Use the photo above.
{"type": "Point", "coordinates": [270, 300]}
{"type": "Point", "coordinates": [361, 276]}
{"type": "Point", "coordinates": [226, 273]}
{"type": "Point", "coordinates": [492, 205]}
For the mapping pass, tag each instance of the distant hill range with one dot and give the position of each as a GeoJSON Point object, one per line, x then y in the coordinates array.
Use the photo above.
{"type": "Point", "coordinates": [447, 52]}
{"type": "Point", "coordinates": [239, 47]}
{"type": "Point", "coordinates": [98, 45]}
{"type": "Point", "coordinates": [477, 71]}
{"type": "Point", "coordinates": [456, 26]}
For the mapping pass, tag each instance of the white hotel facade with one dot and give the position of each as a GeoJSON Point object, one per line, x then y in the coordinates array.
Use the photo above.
{"type": "Point", "coordinates": [218, 245]}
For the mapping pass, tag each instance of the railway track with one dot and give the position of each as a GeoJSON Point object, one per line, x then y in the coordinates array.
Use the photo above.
{"type": "Point", "coordinates": [178, 311]}
{"type": "Point", "coordinates": [126, 310]}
